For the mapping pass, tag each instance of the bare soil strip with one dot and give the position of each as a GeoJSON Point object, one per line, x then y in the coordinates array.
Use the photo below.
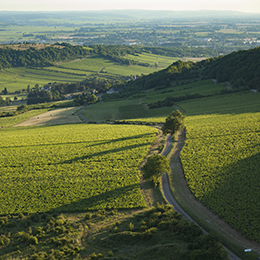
{"type": "Point", "coordinates": [54, 117]}
{"type": "Point", "coordinates": [201, 214]}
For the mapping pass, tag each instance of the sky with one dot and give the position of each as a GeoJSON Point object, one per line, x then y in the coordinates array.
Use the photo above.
{"type": "Point", "coordinates": [252, 6]}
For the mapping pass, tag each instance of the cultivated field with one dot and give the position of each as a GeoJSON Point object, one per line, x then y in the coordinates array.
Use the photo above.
{"type": "Point", "coordinates": [73, 167]}
{"type": "Point", "coordinates": [225, 176]}
{"type": "Point", "coordinates": [234, 103]}
{"type": "Point", "coordinates": [54, 117]}
{"type": "Point", "coordinates": [14, 120]}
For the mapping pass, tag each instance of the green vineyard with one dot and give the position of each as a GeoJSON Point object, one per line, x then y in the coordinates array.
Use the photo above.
{"type": "Point", "coordinates": [72, 167]}
{"type": "Point", "coordinates": [221, 165]}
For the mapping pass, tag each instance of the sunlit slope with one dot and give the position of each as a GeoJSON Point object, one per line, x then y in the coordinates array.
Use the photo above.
{"type": "Point", "coordinates": [233, 103]}
{"type": "Point", "coordinates": [73, 71]}
{"type": "Point", "coordinates": [72, 167]}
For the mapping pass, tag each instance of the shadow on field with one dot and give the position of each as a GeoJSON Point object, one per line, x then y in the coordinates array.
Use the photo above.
{"type": "Point", "coordinates": [236, 196]}
{"type": "Point", "coordinates": [119, 198]}
{"type": "Point", "coordinates": [97, 143]}
{"type": "Point", "coordinates": [122, 139]}
{"type": "Point", "coordinates": [116, 150]}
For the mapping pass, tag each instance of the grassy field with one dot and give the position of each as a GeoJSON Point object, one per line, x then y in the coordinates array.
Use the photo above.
{"type": "Point", "coordinates": [136, 108]}
{"type": "Point", "coordinates": [130, 109]}
{"type": "Point", "coordinates": [19, 78]}
{"type": "Point", "coordinates": [205, 87]}
{"type": "Point", "coordinates": [234, 103]}
{"type": "Point", "coordinates": [161, 61]}
{"type": "Point", "coordinates": [72, 167]}
{"type": "Point", "coordinates": [95, 63]}
{"type": "Point", "coordinates": [19, 97]}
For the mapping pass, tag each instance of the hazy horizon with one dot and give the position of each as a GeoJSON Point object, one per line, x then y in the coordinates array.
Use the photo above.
{"type": "Point", "coordinates": [250, 6]}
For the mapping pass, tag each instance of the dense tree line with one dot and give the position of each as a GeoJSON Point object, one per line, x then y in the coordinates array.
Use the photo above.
{"type": "Point", "coordinates": [240, 69]}
{"type": "Point", "coordinates": [57, 91]}
{"type": "Point", "coordinates": [52, 92]}
{"type": "Point", "coordinates": [87, 99]}
{"type": "Point", "coordinates": [4, 102]}
{"type": "Point", "coordinates": [40, 57]}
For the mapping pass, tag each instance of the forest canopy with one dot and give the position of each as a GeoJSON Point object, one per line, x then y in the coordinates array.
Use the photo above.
{"type": "Point", "coordinates": [40, 57]}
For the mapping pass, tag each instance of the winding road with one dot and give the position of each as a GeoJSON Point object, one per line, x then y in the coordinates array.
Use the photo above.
{"type": "Point", "coordinates": [81, 116]}
{"type": "Point", "coordinates": [166, 187]}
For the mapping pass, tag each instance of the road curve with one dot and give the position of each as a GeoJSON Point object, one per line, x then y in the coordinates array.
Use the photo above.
{"type": "Point", "coordinates": [168, 196]}
{"type": "Point", "coordinates": [80, 115]}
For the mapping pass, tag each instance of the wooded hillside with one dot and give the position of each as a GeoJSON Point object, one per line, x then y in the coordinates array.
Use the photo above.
{"type": "Point", "coordinates": [40, 57]}
{"type": "Point", "coordinates": [241, 70]}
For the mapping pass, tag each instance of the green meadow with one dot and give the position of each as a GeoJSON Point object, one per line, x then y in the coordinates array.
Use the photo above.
{"type": "Point", "coordinates": [233, 103]}
{"type": "Point", "coordinates": [204, 87]}
{"type": "Point", "coordinates": [130, 109]}
{"type": "Point", "coordinates": [161, 61]}
{"type": "Point", "coordinates": [19, 78]}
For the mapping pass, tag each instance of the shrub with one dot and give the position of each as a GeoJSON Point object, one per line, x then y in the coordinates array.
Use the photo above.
{"type": "Point", "coordinates": [131, 226]}
{"type": "Point", "coordinates": [149, 232]}
{"type": "Point", "coordinates": [88, 216]}
{"type": "Point", "coordinates": [4, 240]}
{"type": "Point", "coordinates": [33, 240]}
{"type": "Point", "coordinates": [116, 230]}
{"type": "Point", "coordinates": [21, 216]}
{"type": "Point", "coordinates": [96, 256]}
{"type": "Point", "coordinates": [110, 253]}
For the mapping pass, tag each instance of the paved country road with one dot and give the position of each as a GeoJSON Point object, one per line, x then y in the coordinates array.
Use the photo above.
{"type": "Point", "coordinates": [80, 115]}
{"type": "Point", "coordinates": [168, 195]}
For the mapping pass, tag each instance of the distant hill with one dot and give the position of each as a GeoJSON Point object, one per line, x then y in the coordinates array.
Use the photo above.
{"type": "Point", "coordinates": [26, 17]}
{"type": "Point", "coordinates": [240, 70]}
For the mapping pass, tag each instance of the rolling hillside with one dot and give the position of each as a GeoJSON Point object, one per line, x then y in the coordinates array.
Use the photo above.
{"type": "Point", "coordinates": [90, 167]}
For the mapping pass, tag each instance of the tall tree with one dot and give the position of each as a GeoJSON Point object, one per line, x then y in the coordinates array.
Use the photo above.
{"type": "Point", "coordinates": [154, 168]}
{"type": "Point", "coordinates": [5, 92]}
{"type": "Point", "coordinates": [93, 99]}
{"type": "Point", "coordinates": [174, 123]}
{"type": "Point", "coordinates": [37, 87]}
